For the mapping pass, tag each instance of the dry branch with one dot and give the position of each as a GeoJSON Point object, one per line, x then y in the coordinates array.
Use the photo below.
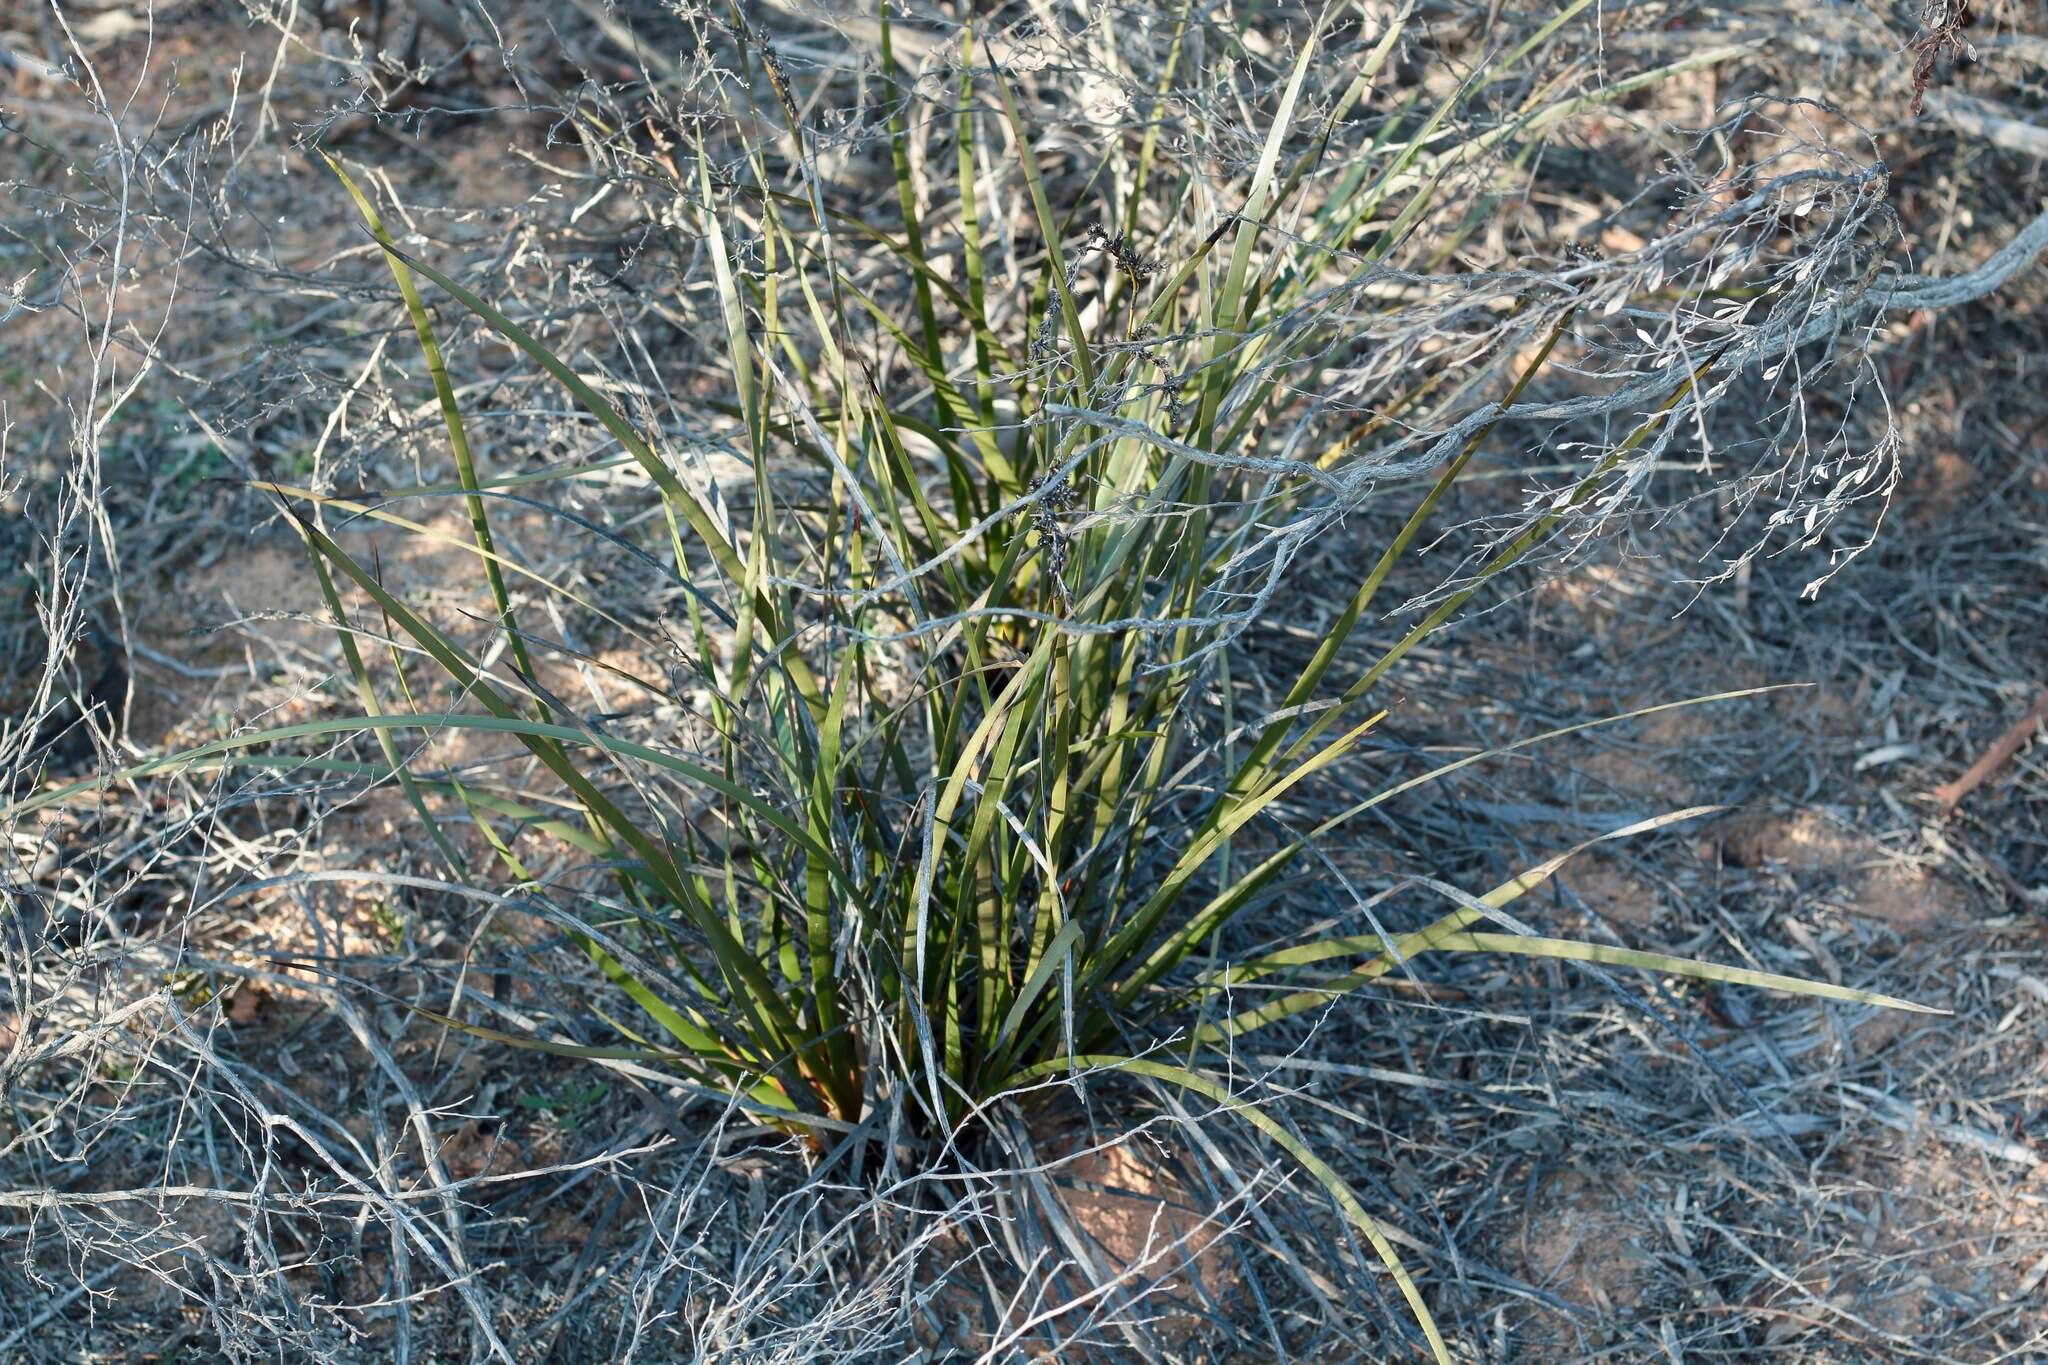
{"type": "Point", "coordinates": [1950, 794]}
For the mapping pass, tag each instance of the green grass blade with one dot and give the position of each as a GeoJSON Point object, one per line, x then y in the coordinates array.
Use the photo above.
{"type": "Point", "coordinates": [1573, 950]}
{"type": "Point", "coordinates": [777, 1028]}
{"type": "Point", "coordinates": [1048, 227]}
{"type": "Point", "coordinates": [451, 416]}
{"type": "Point", "coordinates": [1322, 1172]}
{"type": "Point", "coordinates": [1050, 961]}
{"type": "Point", "coordinates": [1175, 947]}
{"type": "Point", "coordinates": [1256, 762]}
{"type": "Point", "coordinates": [763, 1094]}
{"type": "Point", "coordinates": [366, 691]}
{"type": "Point", "coordinates": [679, 499]}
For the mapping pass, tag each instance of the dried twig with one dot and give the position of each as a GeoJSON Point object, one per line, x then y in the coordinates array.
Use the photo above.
{"type": "Point", "coordinates": [1950, 794]}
